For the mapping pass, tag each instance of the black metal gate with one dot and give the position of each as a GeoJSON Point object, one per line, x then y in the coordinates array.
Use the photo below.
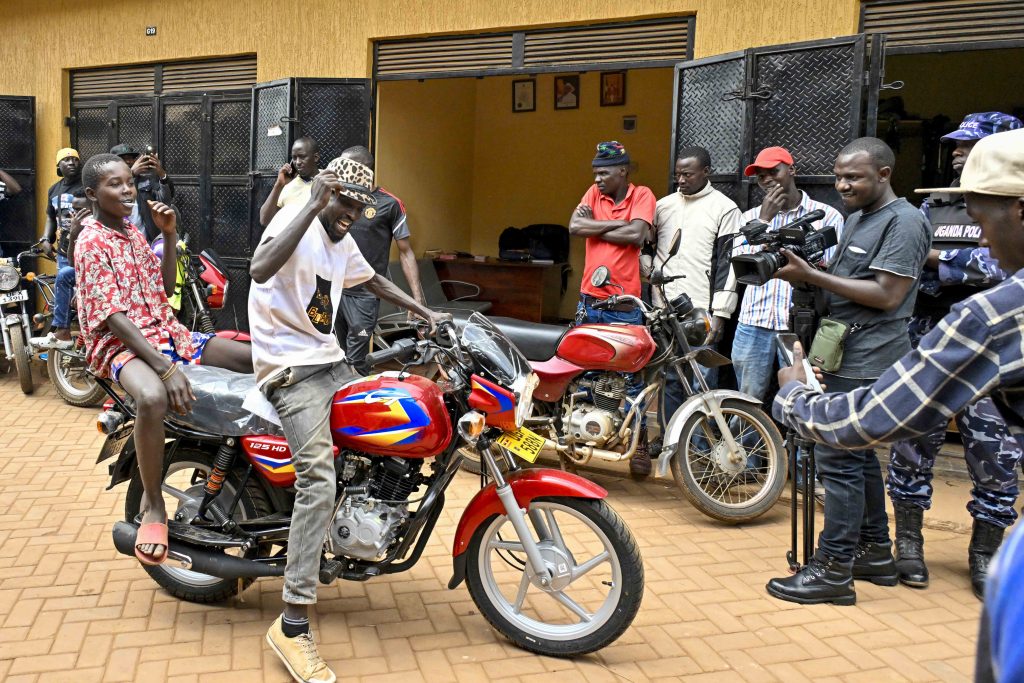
{"type": "Point", "coordinates": [811, 98]}
{"type": "Point", "coordinates": [18, 158]}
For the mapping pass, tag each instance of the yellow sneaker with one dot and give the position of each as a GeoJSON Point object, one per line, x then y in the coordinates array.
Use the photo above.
{"type": "Point", "coordinates": [299, 654]}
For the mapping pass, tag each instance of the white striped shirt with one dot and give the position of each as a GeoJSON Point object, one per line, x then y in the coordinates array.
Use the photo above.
{"type": "Point", "coordinates": [767, 306]}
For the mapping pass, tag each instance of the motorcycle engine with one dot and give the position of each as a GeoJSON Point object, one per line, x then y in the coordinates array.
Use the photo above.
{"type": "Point", "coordinates": [594, 424]}
{"type": "Point", "coordinates": [367, 524]}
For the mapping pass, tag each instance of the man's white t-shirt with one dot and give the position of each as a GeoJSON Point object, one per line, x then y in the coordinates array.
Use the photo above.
{"type": "Point", "coordinates": [291, 315]}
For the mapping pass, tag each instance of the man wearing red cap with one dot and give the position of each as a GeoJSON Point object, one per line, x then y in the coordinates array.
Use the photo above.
{"type": "Point", "coordinates": [765, 309]}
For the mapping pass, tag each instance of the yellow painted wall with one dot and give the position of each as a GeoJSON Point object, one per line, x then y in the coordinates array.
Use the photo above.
{"type": "Point", "coordinates": [40, 40]}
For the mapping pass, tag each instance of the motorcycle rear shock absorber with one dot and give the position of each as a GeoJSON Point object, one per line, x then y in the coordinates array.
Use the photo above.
{"type": "Point", "coordinates": [215, 481]}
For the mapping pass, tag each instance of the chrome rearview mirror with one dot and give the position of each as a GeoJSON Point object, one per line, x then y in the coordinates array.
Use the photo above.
{"type": "Point", "coordinates": [673, 248]}
{"type": "Point", "coordinates": [601, 276]}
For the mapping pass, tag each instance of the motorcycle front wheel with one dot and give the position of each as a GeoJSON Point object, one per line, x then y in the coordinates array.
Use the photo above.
{"type": "Point", "coordinates": [185, 475]}
{"type": "Point", "coordinates": [68, 372]}
{"type": "Point", "coordinates": [597, 584]}
{"type": "Point", "coordinates": [731, 492]}
{"type": "Point", "coordinates": [22, 359]}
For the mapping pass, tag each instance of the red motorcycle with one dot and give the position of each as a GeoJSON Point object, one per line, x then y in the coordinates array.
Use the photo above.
{"type": "Point", "coordinates": [725, 453]}
{"type": "Point", "coordinates": [546, 560]}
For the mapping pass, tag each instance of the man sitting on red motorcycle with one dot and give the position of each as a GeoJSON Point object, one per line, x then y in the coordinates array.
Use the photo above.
{"type": "Point", "coordinates": [616, 217]}
{"type": "Point", "coordinates": [303, 263]}
{"type": "Point", "coordinates": [130, 332]}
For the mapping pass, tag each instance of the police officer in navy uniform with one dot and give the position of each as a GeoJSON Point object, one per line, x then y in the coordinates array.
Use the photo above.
{"type": "Point", "coordinates": [958, 266]}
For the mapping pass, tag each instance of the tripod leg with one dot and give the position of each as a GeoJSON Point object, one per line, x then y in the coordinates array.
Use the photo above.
{"type": "Point", "coordinates": [812, 470]}
{"type": "Point", "coordinates": [791, 452]}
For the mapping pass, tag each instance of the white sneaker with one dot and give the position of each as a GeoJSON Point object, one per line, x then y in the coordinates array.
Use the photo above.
{"type": "Point", "coordinates": [299, 655]}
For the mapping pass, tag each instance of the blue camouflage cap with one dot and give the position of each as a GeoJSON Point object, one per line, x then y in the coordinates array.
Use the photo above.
{"type": "Point", "coordinates": [978, 126]}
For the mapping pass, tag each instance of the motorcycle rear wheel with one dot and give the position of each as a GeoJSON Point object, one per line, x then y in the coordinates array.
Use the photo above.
{"type": "Point", "coordinates": [72, 383]}
{"type": "Point", "coordinates": [548, 621]}
{"type": "Point", "coordinates": [711, 484]}
{"type": "Point", "coordinates": [22, 360]}
{"type": "Point", "coordinates": [192, 464]}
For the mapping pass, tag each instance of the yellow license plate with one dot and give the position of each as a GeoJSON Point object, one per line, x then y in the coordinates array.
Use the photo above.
{"type": "Point", "coordinates": [523, 443]}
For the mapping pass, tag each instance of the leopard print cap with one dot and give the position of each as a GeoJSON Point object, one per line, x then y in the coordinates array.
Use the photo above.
{"type": "Point", "coordinates": [356, 178]}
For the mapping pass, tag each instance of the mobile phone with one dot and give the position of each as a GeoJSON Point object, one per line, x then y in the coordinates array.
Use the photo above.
{"type": "Point", "coordinates": [785, 342]}
{"type": "Point", "coordinates": [151, 150]}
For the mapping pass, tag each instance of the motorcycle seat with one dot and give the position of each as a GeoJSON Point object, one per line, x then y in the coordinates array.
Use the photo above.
{"type": "Point", "coordinates": [218, 405]}
{"type": "Point", "coordinates": [537, 341]}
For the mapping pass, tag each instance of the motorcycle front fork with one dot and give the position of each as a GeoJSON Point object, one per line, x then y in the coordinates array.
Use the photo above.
{"type": "Point", "coordinates": [516, 515]}
{"type": "Point", "coordinates": [714, 408]}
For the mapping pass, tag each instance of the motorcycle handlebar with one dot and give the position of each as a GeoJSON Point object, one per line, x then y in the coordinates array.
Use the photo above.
{"type": "Point", "coordinates": [403, 350]}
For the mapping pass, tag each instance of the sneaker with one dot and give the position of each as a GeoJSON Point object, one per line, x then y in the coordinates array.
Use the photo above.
{"type": "Point", "coordinates": [299, 655]}
{"type": "Point", "coordinates": [50, 341]}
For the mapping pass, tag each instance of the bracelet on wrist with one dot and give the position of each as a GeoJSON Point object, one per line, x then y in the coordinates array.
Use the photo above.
{"type": "Point", "coordinates": [170, 371]}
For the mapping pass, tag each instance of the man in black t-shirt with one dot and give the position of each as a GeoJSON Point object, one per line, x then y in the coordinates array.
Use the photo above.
{"type": "Point", "coordinates": [871, 286]}
{"type": "Point", "coordinates": [59, 213]}
{"type": "Point", "coordinates": [373, 232]}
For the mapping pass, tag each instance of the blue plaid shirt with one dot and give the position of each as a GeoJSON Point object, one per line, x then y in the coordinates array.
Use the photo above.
{"type": "Point", "coordinates": [767, 305]}
{"type": "Point", "coordinates": [977, 349]}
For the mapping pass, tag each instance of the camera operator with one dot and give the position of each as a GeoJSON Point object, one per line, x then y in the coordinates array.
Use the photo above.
{"type": "Point", "coordinates": [869, 290]}
{"type": "Point", "coordinates": [151, 184]}
{"type": "Point", "coordinates": [976, 350]}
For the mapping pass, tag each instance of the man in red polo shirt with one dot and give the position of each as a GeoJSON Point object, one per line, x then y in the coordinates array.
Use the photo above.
{"type": "Point", "coordinates": [616, 217]}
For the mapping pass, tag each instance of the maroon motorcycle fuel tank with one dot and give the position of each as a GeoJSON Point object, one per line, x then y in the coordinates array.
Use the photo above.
{"type": "Point", "coordinates": [391, 414]}
{"type": "Point", "coordinates": [623, 348]}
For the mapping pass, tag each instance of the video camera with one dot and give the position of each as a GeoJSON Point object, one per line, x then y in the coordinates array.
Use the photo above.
{"type": "Point", "coordinates": [797, 237]}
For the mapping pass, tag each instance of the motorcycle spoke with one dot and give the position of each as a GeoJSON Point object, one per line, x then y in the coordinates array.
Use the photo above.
{"type": "Point", "coordinates": [590, 564]}
{"type": "Point", "coordinates": [537, 519]}
{"type": "Point", "coordinates": [524, 585]}
{"type": "Point", "coordinates": [572, 605]}
{"type": "Point", "coordinates": [555, 534]}
{"type": "Point", "coordinates": [512, 546]}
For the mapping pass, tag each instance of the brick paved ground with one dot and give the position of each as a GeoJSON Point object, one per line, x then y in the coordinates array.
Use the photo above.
{"type": "Point", "coordinates": [72, 609]}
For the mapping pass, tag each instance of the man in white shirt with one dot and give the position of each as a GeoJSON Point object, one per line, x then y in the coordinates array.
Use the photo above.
{"type": "Point", "coordinates": [707, 219]}
{"type": "Point", "coordinates": [304, 261]}
{"type": "Point", "coordinates": [765, 309]}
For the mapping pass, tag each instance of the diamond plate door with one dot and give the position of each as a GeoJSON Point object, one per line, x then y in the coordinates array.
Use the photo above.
{"type": "Point", "coordinates": [271, 129]}
{"type": "Point", "coordinates": [18, 158]}
{"type": "Point", "coordinates": [92, 130]}
{"type": "Point", "coordinates": [135, 124]}
{"type": "Point", "coordinates": [809, 100]}
{"type": "Point", "coordinates": [334, 112]}
{"type": "Point", "coordinates": [710, 113]}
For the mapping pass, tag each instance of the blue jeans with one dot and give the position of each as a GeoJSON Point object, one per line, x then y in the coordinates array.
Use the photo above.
{"type": "Point", "coordinates": [754, 354]}
{"type": "Point", "coordinates": [586, 314]}
{"type": "Point", "coordinates": [65, 291]}
{"type": "Point", "coordinates": [854, 493]}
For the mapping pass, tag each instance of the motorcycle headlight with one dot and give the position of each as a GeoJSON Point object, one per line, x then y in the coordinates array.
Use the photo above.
{"type": "Point", "coordinates": [525, 390]}
{"type": "Point", "coordinates": [9, 278]}
{"type": "Point", "coordinates": [697, 325]}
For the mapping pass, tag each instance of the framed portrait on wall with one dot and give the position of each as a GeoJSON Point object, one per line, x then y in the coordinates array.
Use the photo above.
{"type": "Point", "coordinates": [524, 95]}
{"type": "Point", "coordinates": [567, 92]}
{"type": "Point", "coordinates": [613, 88]}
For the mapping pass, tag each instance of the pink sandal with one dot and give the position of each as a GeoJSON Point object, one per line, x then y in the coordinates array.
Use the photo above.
{"type": "Point", "coordinates": [154, 533]}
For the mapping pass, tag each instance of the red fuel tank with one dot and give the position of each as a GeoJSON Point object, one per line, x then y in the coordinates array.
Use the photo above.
{"type": "Point", "coordinates": [624, 348]}
{"type": "Point", "coordinates": [391, 414]}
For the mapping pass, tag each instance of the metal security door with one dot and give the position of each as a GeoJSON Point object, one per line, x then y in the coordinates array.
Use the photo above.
{"type": "Point", "coordinates": [710, 113]}
{"type": "Point", "coordinates": [18, 158]}
{"type": "Point", "coordinates": [205, 150]}
{"type": "Point", "coordinates": [337, 113]}
{"type": "Point", "coordinates": [100, 125]}
{"type": "Point", "coordinates": [812, 98]}
{"type": "Point", "coordinates": [271, 142]}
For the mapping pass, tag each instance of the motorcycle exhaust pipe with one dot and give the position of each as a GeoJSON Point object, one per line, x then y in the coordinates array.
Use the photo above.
{"type": "Point", "coordinates": [184, 556]}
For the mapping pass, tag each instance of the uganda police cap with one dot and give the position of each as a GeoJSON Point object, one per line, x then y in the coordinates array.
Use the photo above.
{"type": "Point", "coordinates": [978, 126]}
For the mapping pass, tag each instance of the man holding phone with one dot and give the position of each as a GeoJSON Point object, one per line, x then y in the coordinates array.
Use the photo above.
{"type": "Point", "coordinates": [976, 350]}
{"type": "Point", "coordinates": [869, 293]}
{"type": "Point", "coordinates": [294, 179]}
{"type": "Point", "coordinates": [151, 184]}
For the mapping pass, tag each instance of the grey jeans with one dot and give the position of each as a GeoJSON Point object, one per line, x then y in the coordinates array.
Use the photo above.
{"type": "Point", "coordinates": [303, 402]}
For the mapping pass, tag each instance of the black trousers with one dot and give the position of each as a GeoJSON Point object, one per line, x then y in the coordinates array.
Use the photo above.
{"type": "Point", "coordinates": [354, 328]}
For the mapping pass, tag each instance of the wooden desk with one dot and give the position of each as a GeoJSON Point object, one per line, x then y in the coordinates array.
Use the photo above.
{"type": "Point", "coordinates": [528, 291]}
